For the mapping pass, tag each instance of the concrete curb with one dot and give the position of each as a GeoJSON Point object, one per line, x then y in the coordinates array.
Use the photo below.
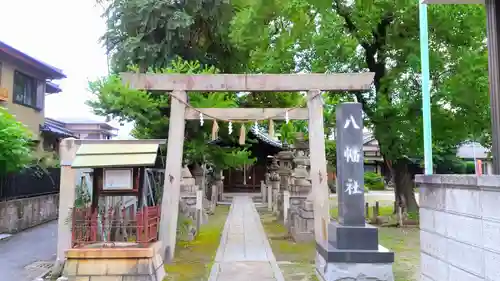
{"type": "Point", "coordinates": [278, 274]}
{"type": "Point", "coordinates": [43, 276]}
{"type": "Point", "coordinates": [5, 236]}
{"type": "Point", "coordinates": [214, 272]}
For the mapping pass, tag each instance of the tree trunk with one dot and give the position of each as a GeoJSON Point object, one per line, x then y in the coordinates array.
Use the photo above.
{"type": "Point", "coordinates": [403, 181]}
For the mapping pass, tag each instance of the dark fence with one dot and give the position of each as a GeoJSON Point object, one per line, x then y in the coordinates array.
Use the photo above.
{"type": "Point", "coordinates": [30, 182]}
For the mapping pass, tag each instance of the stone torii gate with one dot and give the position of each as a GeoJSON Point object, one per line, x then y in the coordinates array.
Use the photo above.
{"type": "Point", "coordinates": [180, 84]}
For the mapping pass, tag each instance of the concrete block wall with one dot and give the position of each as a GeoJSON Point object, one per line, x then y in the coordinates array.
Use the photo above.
{"type": "Point", "coordinates": [19, 214]}
{"type": "Point", "coordinates": [459, 227]}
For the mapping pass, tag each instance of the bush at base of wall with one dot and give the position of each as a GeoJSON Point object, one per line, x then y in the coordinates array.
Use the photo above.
{"type": "Point", "coordinates": [374, 181]}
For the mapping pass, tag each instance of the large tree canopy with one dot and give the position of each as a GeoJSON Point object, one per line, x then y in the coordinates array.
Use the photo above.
{"type": "Point", "coordinates": [381, 37]}
{"type": "Point", "coordinates": [151, 33]}
{"type": "Point", "coordinates": [289, 36]}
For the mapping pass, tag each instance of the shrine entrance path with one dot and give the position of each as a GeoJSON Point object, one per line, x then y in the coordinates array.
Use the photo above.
{"type": "Point", "coordinates": [244, 253]}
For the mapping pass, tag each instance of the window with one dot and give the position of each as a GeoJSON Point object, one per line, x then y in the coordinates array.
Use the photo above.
{"type": "Point", "coordinates": [370, 168]}
{"type": "Point", "coordinates": [93, 136]}
{"type": "Point", "coordinates": [28, 91]}
{"type": "Point", "coordinates": [370, 153]}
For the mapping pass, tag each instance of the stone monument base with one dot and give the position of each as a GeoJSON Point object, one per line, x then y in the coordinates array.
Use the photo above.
{"type": "Point", "coordinates": [354, 265]}
{"type": "Point", "coordinates": [356, 272]}
{"type": "Point", "coordinates": [301, 225]}
{"type": "Point", "coordinates": [123, 261]}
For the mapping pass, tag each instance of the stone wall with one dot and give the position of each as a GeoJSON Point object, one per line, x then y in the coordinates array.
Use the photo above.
{"type": "Point", "coordinates": [459, 227]}
{"type": "Point", "coordinates": [17, 215]}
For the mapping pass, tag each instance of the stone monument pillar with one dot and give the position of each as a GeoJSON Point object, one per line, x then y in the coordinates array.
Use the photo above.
{"type": "Point", "coordinates": [187, 204]}
{"type": "Point", "coordinates": [274, 179]}
{"type": "Point", "coordinates": [269, 190]}
{"type": "Point", "coordinates": [285, 158]}
{"type": "Point", "coordinates": [200, 174]}
{"type": "Point", "coordinates": [219, 182]}
{"type": "Point", "coordinates": [353, 251]}
{"type": "Point", "coordinates": [263, 191]}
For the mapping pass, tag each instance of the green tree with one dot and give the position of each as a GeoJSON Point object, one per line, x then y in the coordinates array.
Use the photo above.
{"type": "Point", "coordinates": [150, 113]}
{"type": "Point", "coordinates": [152, 33]}
{"type": "Point", "coordinates": [382, 37]}
{"type": "Point", "coordinates": [15, 144]}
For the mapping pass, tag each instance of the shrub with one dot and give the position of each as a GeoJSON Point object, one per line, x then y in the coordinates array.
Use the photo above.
{"type": "Point", "coordinates": [15, 143]}
{"type": "Point", "coordinates": [470, 167]}
{"type": "Point", "coordinates": [373, 181]}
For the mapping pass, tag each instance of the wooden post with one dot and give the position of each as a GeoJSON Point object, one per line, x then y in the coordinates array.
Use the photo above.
{"type": "Point", "coordinates": [319, 176]}
{"type": "Point", "coordinates": [171, 188]}
{"type": "Point", "coordinates": [492, 25]}
{"type": "Point", "coordinates": [374, 214]}
{"type": "Point", "coordinates": [145, 214]}
{"type": "Point", "coordinates": [67, 152]}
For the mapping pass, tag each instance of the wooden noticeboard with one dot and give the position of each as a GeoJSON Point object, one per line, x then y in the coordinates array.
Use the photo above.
{"type": "Point", "coordinates": [118, 179]}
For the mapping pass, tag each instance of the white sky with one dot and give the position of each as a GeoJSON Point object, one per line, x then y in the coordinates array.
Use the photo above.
{"type": "Point", "coordinates": [62, 33]}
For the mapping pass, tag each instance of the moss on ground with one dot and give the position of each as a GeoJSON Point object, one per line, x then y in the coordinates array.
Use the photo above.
{"type": "Point", "coordinates": [284, 248]}
{"type": "Point", "coordinates": [193, 259]}
{"type": "Point", "coordinates": [405, 242]}
{"type": "Point", "coordinates": [296, 260]}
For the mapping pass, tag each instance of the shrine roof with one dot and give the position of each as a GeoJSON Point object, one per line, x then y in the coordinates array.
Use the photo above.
{"type": "Point", "coordinates": [117, 153]}
{"type": "Point", "coordinates": [266, 137]}
{"type": "Point", "coordinates": [261, 136]}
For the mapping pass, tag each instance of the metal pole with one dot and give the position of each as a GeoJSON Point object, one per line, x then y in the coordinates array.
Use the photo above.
{"type": "Point", "coordinates": [475, 158]}
{"type": "Point", "coordinates": [492, 13]}
{"type": "Point", "coordinates": [426, 95]}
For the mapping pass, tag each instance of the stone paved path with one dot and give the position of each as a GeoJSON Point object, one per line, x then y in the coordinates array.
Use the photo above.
{"type": "Point", "coordinates": [244, 253]}
{"type": "Point", "coordinates": [22, 249]}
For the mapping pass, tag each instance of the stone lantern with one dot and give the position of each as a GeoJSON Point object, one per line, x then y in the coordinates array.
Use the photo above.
{"type": "Point", "coordinates": [187, 181]}
{"type": "Point", "coordinates": [219, 183]}
{"type": "Point", "coordinates": [187, 203]}
{"type": "Point", "coordinates": [285, 158]}
{"type": "Point", "coordinates": [274, 179]}
{"type": "Point", "coordinates": [301, 185]}
{"type": "Point", "coordinates": [273, 170]}
{"type": "Point", "coordinates": [198, 176]}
